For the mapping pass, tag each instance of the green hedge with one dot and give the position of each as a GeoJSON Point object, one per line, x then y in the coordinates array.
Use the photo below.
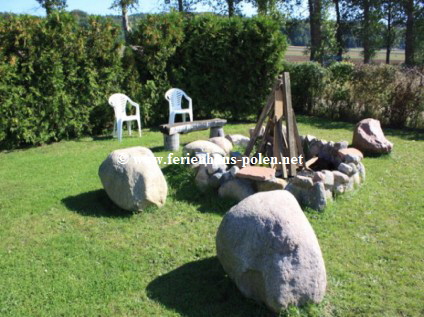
{"type": "Point", "coordinates": [227, 65]}
{"type": "Point", "coordinates": [56, 75]}
{"type": "Point", "coordinates": [54, 78]}
{"type": "Point", "coordinates": [343, 91]}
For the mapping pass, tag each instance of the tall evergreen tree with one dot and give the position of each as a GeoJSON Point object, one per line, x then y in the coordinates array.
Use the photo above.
{"type": "Point", "coordinates": [52, 5]}
{"type": "Point", "coordinates": [315, 21]}
{"type": "Point", "coordinates": [409, 7]}
{"type": "Point", "coordinates": [392, 12]}
{"type": "Point", "coordinates": [125, 6]}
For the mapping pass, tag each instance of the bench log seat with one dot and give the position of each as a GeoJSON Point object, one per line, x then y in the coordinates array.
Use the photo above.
{"type": "Point", "coordinates": [171, 132]}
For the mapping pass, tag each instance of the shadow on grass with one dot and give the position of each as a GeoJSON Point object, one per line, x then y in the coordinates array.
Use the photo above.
{"type": "Point", "coordinates": [328, 124]}
{"type": "Point", "coordinates": [159, 148]}
{"type": "Point", "coordinates": [323, 123]}
{"type": "Point", "coordinates": [201, 288]}
{"type": "Point", "coordinates": [181, 179]}
{"type": "Point", "coordinates": [95, 203]}
{"type": "Point", "coordinates": [407, 134]}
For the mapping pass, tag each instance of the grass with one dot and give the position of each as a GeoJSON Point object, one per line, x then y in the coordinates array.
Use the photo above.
{"type": "Point", "coordinates": [66, 250]}
{"type": "Point", "coordinates": [297, 54]}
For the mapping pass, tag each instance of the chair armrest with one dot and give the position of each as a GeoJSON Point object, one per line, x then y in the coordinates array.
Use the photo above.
{"type": "Point", "coordinates": [136, 105]}
{"type": "Point", "coordinates": [190, 102]}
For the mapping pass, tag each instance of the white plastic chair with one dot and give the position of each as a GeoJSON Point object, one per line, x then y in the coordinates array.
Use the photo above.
{"type": "Point", "coordinates": [119, 104]}
{"type": "Point", "coordinates": [174, 97]}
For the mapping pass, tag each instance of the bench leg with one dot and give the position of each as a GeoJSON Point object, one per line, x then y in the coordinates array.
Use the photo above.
{"type": "Point", "coordinates": [217, 131]}
{"type": "Point", "coordinates": [171, 142]}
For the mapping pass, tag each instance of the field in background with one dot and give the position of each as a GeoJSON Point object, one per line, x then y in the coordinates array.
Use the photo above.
{"type": "Point", "coordinates": [297, 54]}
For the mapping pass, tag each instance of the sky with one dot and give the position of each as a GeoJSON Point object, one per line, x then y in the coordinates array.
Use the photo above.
{"type": "Point", "coordinates": [100, 7]}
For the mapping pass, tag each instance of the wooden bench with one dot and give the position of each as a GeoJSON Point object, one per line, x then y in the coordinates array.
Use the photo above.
{"type": "Point", "coordinates": [171, 132]}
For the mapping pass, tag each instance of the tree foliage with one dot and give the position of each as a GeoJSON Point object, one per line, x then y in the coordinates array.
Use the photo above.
{"type": "Point", "coordinates": [52, 5]}
{"type": "Point", "coordinates": [54, 78]}
{"type": "Point", "coordinates": [215, 59]}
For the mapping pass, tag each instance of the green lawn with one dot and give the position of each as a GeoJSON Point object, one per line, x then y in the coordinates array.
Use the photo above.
{"type": "Point", "coordinates": [65, 250]}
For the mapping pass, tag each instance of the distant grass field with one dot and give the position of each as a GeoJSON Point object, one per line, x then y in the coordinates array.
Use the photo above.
{"type": "Point", "coordinates": [66, 250]}
{"type": "Point", "coordinates": [296, 54]}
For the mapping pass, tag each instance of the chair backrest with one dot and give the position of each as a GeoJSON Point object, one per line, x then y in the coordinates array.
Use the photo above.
{"type": "Point", "coordinates": [119, 103]}
{"type": "Point", "coordinates": [174, 96]}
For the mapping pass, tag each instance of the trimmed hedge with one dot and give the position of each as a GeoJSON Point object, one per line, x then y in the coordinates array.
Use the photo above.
{"type": "Point", "coordinates": [343, 91]}
{"type": "Point", "coordinates": [227, 65]}
{"type": "Point", "coordinates": [54, 76]}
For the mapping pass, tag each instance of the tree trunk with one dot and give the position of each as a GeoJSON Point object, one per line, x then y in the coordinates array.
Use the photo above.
{"type": "Point", "coordinates": [262, 7]}
{"type": "Point", "coordinates": [366, 33]}
{"type": "Point", "coordinates": [389, 32]}
{"type": "Point", "coordinates": [230, 7]}
{"type": "Point", "coordinates": [339, 34]}
{"type": "Point", "coordinates": [315, 24]}
{"type": "Point", "coordinates": [180, 6]}
{"type": "Point", "coordinates": [125, 22]}
{"type": "Point", "coordinates": [409, 33]}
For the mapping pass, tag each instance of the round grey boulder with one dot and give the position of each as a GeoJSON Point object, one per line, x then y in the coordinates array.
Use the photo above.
{"type": "Point", "coordinates": [268, 248]}
{"type": "Point", "coordinates": [202, 146]}
{"type": "Point", "coordinates": [223, 143]}
{"type": "Point", "coordinates": [132, 179]}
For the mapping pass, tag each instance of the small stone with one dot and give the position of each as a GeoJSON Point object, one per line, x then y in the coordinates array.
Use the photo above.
{"type": "Point", "coordinates": [354, 168]}
{"type": "Point", "coordinates": [346, 169]}
{"type": "Point", "coordinates": [340, 178]}
{"type": "Point", "coordinates": [314, 148]}
{"type": "Point", "coordinates": [350, 185]}
{"type": "Point", "coordinates": [352, 151]}
{"type": "Point", "coordinates": [309, 138]}
{"type": "Point", "coordinates": [341, 145]}
{"type": "Point", "coordinates": [302, 181]}
{"type": "Point", "coordinates": [215, 180]}
{"type": "Point", "coordinates": [234, 170]}
{"type": "Point", "coordinates": [350, 158]}
{"type": "Point", "coordinates": [202, 146]}
{"type": "Point", "coordinates": [295, 191]}
{"type": "Point", "coordinates": [339, 189]}
{"type": "Point", "coordinates": [237, 189]}
{"type": "Point", "coordinates": [238, 139]}
{"type": "Point", "coordinates": [316, 197]}
{"type": "Point", "coordinates": [202, 179]}
{"type": "Point", "coordinates": [361, 171]}
{"type": "Point", "coordinates": [318, 177]}
{"type": "Point", "coordinates": [223, 143]}
{"type": "Point", "coordinates": [272, 184]}
{"type": "Point", "coordinates": [217, 164]}
{"type": "Point", "coordinates": [226, 176]}
{"type": "Point", "coordinates": [356, 179]}
{"type": "Point", "coordinates": [323, 142]}
{"type": "Point", "coordinates": [328, 195]}
{"type": "Point", "coordinates": [329, 179]}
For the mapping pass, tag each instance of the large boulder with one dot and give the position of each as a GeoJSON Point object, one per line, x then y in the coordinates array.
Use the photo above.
{"type": "Point", "coordinates": [369, 138]}
{"type": "Point", "coordinates": [202, 146]}
{"type": "Point", "coordinates": [132, 179]}
{"type": "Point", "coordinates": [267, 246]}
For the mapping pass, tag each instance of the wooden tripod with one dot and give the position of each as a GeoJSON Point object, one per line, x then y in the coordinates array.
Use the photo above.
{"type": "Point", "coordinates": [284, 144]}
